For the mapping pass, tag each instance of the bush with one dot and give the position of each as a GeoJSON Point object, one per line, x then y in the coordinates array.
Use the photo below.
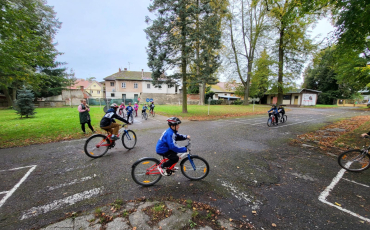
{"type": "Point", "coordinates": [24, 103]}
{"type": "Point", "coordinates": [216, 102]}
{"type": "Point", "coordinates": [238, 102]}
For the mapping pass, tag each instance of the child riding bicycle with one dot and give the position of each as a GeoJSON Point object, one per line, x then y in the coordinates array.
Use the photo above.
{"type": "Point", "coordinates": [144, 108]}
{"type": "Point", "coordinates": [275, 112]}
{"type": "Point", "coordinates": [281, 110]}
{"type": "Point", "coordinates": [152, 107]}
{"type": "Point", "coordinates": [167, 146]}
{"type": "Point", "coordinates": [109, 124]}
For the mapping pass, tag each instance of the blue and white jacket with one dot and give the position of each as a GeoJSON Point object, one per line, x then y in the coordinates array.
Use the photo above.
{"type": "Point", "coordinates": [168, 142]}
{"type": "Point", "coordinates": [129, 109]}
{"type": "Point", "coordinates": [274, 109]}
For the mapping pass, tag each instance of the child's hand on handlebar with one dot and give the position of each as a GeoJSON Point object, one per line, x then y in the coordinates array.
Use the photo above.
{"type": "Point", "coordinates": [188, 137]}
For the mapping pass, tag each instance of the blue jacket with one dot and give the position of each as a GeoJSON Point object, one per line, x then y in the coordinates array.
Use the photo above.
{"type": "Point", "coordinates": [129, 109]}
{"type": "Point", "coordinates": [274, 109]}
{"type": "Point", "coordinates": [168, 142]}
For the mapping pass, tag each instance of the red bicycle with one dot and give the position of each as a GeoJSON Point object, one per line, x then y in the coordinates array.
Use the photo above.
{"type": "Point", "coordinates": [271, 120]}
{"type": "Point", "coordinates": [144, 171]}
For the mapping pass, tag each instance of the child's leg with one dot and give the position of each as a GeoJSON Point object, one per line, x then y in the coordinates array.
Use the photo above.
{"type": "Point", "coordinates": [172, 159]}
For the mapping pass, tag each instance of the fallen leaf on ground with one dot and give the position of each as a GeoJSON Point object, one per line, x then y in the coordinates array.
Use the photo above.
{"type": "Point", "coordinates": [338, 204]}
{"type": "Point", "coordinates": [273, 225]}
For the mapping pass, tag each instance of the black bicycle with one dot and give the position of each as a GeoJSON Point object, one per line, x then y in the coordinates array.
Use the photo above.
{"type": "Point", "coordinates": [356, 160]}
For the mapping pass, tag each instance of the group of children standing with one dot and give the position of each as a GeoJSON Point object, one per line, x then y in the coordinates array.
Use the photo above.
{"type": "Point", "coordinates": [130, 109]}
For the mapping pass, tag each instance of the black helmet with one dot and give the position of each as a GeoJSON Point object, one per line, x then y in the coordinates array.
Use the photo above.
{"type": "Point", "coordinates": [273, 105]}
{"type": "Point", "coordinates": [173, 121]}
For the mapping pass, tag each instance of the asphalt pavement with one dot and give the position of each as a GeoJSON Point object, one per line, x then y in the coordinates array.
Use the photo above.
{"type": "Point", "coordinates": [253, 169]}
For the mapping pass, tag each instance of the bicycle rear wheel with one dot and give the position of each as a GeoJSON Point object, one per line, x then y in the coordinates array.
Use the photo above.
{"type": "Point", "coordinates": [144, 171]}
{"type": "Point", "coordinates": [285, 117]}
{"type": "Point", "coordinates": [195, 170]}
{"type": "Point", "coordinates": [129, 139]}
{"type": "Point", "coordinates": [354, 160]}
{"type": "Point", "coordinates": [96, 146]}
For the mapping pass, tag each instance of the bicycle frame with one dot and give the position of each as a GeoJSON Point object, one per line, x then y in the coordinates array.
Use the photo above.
{"type": "Point", "coordinates": [122, 130]}
{"type": "Point", "coordinates": [153, 169]}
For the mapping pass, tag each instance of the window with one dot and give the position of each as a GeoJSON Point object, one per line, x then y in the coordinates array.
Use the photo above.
{"type": "Point", "coordinates": [135, 85]}
{"type": "Point", "coordinates": [94, 86]}
{"type": "Point", "coordinates": [98, 91]}
{"type": "Point", "coordinates": [112, 95]}
{"type": "Point", "coordinates": [148, 86]}
{"type": "Point", "coordinates": [112, 84]}
{"type": "Point", "coordinates": [286, 97]}
{"type": "Point", "coordinates": [123, 84]}
{"type": "Point", "coordinates": [92, 91]}
{"type": "Point", "coordinates": [160, 87]}
{"type": "Point", "coordinates": [225, 94]}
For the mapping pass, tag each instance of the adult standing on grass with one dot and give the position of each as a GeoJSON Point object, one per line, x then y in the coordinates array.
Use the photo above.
{"type": "Point", "coordinates": [84, 110]}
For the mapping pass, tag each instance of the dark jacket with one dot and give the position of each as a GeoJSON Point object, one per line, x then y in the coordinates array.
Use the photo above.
{"type": "Point", "coordinates": [84, 116]}
{"type": "Point", "coordinates": [109, 118]}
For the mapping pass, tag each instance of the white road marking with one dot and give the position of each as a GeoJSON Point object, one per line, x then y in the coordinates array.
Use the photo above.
{"type": "Point", "coordinates": [328, 189]}
{"type": "Point", "coordinates": [11, 191]}
{"type": "Point", "coordinates": [62, 202]}
{"type": "Point", "coordinates": [241, 195]}
{"type": "Point", "coordinates": [356, 183]}
{"type": "Point", "coordinates": [71, 183]}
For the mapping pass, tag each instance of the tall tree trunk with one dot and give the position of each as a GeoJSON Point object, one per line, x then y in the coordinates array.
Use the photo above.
{"type": "Point", "coordinates": [201, 94]}
{"type": "Point", "coordinates": [183, 60]}
{"type": "Point", "coordinates": [281, 67]}
{"type": "Point", "coordinates": [7, 96]}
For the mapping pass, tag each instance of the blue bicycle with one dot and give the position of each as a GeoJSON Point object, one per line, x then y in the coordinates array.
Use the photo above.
{"type": "Point", "coordinates": [144, 171]}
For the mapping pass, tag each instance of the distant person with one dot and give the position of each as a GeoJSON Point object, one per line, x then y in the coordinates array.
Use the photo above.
{"type": "Point", "coordinates": [136, 107]}
{"type": "Point", "coordinates": [84, 110]}
{"type": "Point", "coordinates": [275, 112]}
{"type": "Point", "coordinates": [121, 108]}
{"type": "Point", "coordinates": [152, 107]}
{"type": "Point", "coordinates": [129, 110]}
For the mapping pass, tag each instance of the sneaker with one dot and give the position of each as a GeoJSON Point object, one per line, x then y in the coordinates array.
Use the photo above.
{"type": "Point", "coordinates": [114, 137]}
{"type": "Point", "coordinates": [175, 169]}
{"type": "Point", "coordinates": [162, 171]}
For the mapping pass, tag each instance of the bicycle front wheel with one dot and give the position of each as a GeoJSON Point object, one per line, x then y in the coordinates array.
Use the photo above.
{"type": "Point", "coordinates": [269, 122]}
{"type": "Point", "coordinates": [96, 146]}
{"type": "Point", "coordinates": [285, 118]}
{"type": "Point", "coordinates": [129, 139]}
{"type": "Point", "coordinates": [195, 169]}
{"type": "Point", "coordinates": [153, 114]}
{"type": "Point", "coordinates": [144, 171]}
{"type": "Point", "coordinates": [354, 160]}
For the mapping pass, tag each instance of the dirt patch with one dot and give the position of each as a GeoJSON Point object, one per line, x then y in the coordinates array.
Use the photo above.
{"type": "Point", "coordinates": [157, 212]}
{"type": "Point", "coordinates": [342, 135]}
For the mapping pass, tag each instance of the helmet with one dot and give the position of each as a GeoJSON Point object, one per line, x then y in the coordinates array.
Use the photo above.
{"type": "Point", "coordinates": [273, 105]}
{"type": "Point", "coordinates": [114, 105]}
{"type": "Point", "coordinates": [173, 121]}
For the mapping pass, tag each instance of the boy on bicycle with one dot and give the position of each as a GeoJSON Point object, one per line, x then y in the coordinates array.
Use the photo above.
{"type": "Point", "coordinates": [109, 124]}
{"type": "Point", "coordinates": [281, 110]}
{"type": "Point", "coordinates": [144, 108]}
{"type": "Point", "coordinates": [129, 110]}
{"type": "Point", "coordinates": [167, 146]}
{"type": "Point", "coordinates": [152, 107]}
{"type": "Point", "coordinates": [274, 111]}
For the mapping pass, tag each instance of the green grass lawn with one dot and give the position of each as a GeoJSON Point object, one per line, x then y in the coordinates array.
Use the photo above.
{"type": "Point", "coordinates": [56, 124]}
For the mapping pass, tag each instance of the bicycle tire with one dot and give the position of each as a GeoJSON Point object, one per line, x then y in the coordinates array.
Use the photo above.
{"type": "Point", "coordinates": [129, 139]}
{"type": "Point", "coordinates": [269, 122]}
{"type": "Point", "coordinates": [285, 118]}
{"type": "Point", "coordinates": [146, 116]}
{"type": "Point", "coordinates": [141, 167]}
{"type": "Point", "coordinates": [354, 160]}
{"type": "Point", "coordinates": [97, 151]}
{"type": "Point", "coordinates": [201, 168]}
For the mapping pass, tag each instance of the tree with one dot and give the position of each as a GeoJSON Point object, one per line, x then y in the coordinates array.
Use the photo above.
{"type": "Point", "coordinates": [27, 28]}
{"type": "Point", "coordinates": [173, 37]}
{"type": "Point", "coordinates": [291, 19]}
{"type": "Point", "coordinates": [250, 17]}
{"type": "Point", "coordinates": [24, 103]}
{"type": "Point", "coordinates": [260, 80]}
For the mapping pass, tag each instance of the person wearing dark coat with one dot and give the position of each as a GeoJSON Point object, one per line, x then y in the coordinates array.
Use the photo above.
{"type": "Point", "coordinates": [84, 110]}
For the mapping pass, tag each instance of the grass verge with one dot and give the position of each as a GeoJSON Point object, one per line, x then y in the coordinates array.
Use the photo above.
{"type": "Point", "coordinates": [338, 136]}
{"type": "Point", "coordinates": [58, 124]}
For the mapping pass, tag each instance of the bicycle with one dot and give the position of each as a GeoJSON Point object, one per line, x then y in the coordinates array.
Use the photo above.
{"type": "Point", "coordinates": [130, 118]}
{"type": "Point", "coordinates": [271, 120]}
{"type": "Point", "coordinates": [356, 160]}
{"type": "Point", "coordinates": [97, 145]}
{"type": "Point", "coordinates": [152, 113]}
{"type": "Point", "coordinates": [144, 171]}
{"type": "Point", "coordinates": [144, 116]}
{"type": "Point", "coordinates": [283, 118]}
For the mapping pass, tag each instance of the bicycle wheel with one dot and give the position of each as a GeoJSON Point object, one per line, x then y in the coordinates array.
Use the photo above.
{"type": "Point", "coordinates": [269, 122]}
{"type": "Point", "coordinates": [144, 171]}
{"type": "Point", "coordinates": [146, 116]}
{"type": "Point", "coordinates": [195, 170]}
{"type": "Point", "coordinates": [96, 146]}
{"type": "Point", "coordinates": [354, 160]}
{"type": "Point", "coordinates": [129, 139]}
{"type": "Point", "coordinates": [285, 118]}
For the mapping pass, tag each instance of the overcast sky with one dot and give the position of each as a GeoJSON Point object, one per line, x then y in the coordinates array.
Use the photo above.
{"type": "Point", "coordinates": [98, 37]}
